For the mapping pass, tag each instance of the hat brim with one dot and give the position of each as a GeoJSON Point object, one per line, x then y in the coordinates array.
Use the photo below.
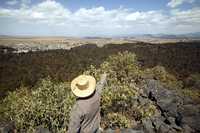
{"type": "Point", "coordinates": [86, 92]}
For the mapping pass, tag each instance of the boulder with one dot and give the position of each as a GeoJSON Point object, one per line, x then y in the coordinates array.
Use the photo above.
{"type": "Point", "coordinates": [190, 115]}
{"type": "Point", "coordinates": [8, 128]}
{"type": "Point", "coordinates": [187, 129]}
{"type": "Point", "coordinates": [148, 126]}
{"type": "Point", "coordinates": [180, 113]}
{"type": "Point", "coordinates": [165, 128]}
{"type": "Point", "coordinates": [42, 130]}
{"type": "Point", "coordinates": [167, 100]}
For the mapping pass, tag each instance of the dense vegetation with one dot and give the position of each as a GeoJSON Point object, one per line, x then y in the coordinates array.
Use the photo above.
{"type": "Point", "coordinates": [48, 103]}
{"type": "Point", "coordinates": [17, 69]}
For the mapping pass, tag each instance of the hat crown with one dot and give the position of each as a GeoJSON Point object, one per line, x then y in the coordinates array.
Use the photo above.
{"type": "Point", "coordinates": [82, 84]}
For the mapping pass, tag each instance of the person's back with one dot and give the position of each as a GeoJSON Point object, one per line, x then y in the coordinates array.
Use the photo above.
{"type": "Point", "coordinates": [91, 111]}
{"type": "Point", "coordinates": [85, 115]}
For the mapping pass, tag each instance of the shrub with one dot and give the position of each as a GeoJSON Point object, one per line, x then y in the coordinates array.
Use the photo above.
{"type": "Point", "coordinates": [118, 120]}
{"type": "Point", "coordinates": [194, 94]}
{"type": "Point", "coordinates": [147, 110]}
{"type": "Point", "coordinates": [122, 67]}
{"type": "Point", "coordinates": [193, 81]}
{"type": "Point", "coordinates": [48, 105]}
{"type": "Point", "coordinates": [160, 73]}
{"type": "Point", "coordinates": [119, 99]}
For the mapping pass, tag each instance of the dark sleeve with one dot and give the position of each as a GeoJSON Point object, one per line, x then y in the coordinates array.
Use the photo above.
{"type": "Point", "coordinates": [76, 117]}
{"type": "Point", "coordinates": [100, 85]}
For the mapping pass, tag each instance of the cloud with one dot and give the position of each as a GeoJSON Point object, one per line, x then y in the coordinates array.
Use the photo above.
{"type": "Point", "coordinates": [11, 2]}
{"type": "Point", "coordinates": [25, 3]}
{"type": "Point", "coordinates": [175, 3]}
{"type": "Point", "coordinates": [53, 12]}
{"type": "Point", "coordinates": [142, 17]}
{"type": "Point", "coordinates": [50, 12]}
{"type": "Point", "coordinates": [100, 21]}
{"type": "Point", "coordinates": [22, 3]}
{"type": "Point", "coordinates": [187, 18]}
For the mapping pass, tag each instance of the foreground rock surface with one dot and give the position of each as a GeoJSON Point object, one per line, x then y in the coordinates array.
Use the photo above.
{"type": "Point", "coordinates": [177, 114]}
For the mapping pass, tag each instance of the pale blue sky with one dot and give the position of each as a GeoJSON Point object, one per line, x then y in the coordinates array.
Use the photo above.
{"type": "Point", "coordinates": [98, 17]}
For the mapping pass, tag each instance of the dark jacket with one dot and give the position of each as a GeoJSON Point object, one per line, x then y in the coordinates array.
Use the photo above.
{"type": "Point", "coordinates": [85, 114]}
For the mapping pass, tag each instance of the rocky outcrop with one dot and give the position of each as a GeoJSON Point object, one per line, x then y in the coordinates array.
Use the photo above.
{"type": "Point", "coordinates": [8, 128]}
{"type": "Point", "coordinates": [174, 113]}
{"type": "Point", "coordinates": [177, 113]}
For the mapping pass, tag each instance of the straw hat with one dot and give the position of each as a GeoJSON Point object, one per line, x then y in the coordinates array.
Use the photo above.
{"type": "Point", "coordinates": [83, 85]}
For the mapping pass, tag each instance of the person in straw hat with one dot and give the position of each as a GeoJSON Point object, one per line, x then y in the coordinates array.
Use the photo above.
{"type": "Point", "coordinates": [85, 114]}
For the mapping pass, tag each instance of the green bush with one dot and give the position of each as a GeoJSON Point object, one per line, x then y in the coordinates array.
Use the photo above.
{"type": "Point", "coordinates": [120, 100]}
{"type": "Point", "coordinates": [193, 81]}
{"type": "Point", "coordinates": [122, 67]}
{"type": "Point", "coordinates": [119, 103]}
{"type": "Point", "coordinates": [48, 105]}
{"type": "Point", "coordinates": [194, 94]}
{"type": "Point", "coordinates": [118, 120]}
{"type": "Point", "coordinates": [160, 73]}
{"type": "Point", "coordinates": [192, 87]}
{"type": "Point", "coordinates": [147, 110]}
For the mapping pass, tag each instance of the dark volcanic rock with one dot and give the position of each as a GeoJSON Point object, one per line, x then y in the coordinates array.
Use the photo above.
{"type": "Point", "coordinates": [8, 128]}
{"type": "Point", "coordinates": [158, 125]}
{"type": "Point", "coordinates": [191, 116]}
{"type": "Point", "coordinates": [42, 130]}
{"type": "Point", "coordinates": [177, 114]}
{"type": "Point", "coordinates": [167, 100]}
{"type": "Point", "coordinates": [148, 126]}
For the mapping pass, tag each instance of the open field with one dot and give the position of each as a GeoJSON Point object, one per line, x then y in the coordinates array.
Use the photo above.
{"type": "Point", "coordinates": [25, 44]}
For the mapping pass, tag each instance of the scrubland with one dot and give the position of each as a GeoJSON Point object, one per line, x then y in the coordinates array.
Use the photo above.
{"type": "Point", "coordinates": [35, 86]}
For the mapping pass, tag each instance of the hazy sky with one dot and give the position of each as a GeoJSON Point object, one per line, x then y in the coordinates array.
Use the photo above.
{"type": "Point", "coordinates": [98, 17]}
